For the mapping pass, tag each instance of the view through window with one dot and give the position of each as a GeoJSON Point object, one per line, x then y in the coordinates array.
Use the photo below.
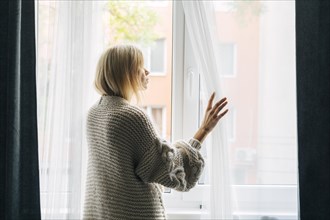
{"type": "Point", "coordinates": [258, 77]}
{"type": "Point", "coordinates": [64, 78]}
{"type": "Point", "coordinates": [147, 24]}
{"type": "Point", "coordinates": [257, 68]}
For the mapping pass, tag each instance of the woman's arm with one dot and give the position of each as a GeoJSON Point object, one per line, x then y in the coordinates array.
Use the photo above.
{"type": "Point", "coordinates": [175, 165]}
{"type": "Point", "coordinates": [211, 118]}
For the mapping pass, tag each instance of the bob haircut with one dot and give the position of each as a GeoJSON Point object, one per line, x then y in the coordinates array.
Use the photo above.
{"type": "Point", "coordinates": [117, 71]}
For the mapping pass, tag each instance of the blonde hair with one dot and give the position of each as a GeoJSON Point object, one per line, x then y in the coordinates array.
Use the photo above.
{"type": "Point", "coordinates": [117, 71]}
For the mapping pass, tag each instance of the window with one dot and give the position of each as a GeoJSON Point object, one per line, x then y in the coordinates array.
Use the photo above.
{"type": "Point", "coordinates": [257, 69]}
{"type": "Point", "coordinates": [154, 57]}
{"type": "Point", "coordinates": [71, 37]}
{"type": "Point", "coordinates": [259, 60]}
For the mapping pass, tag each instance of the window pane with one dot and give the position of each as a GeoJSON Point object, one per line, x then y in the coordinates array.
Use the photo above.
{"type": "Point", "coordinates": [135, 22]}
{"type": "Point", "coordinates": [257, 39]}
{"type": "Point", "coordinates": [257, 47]}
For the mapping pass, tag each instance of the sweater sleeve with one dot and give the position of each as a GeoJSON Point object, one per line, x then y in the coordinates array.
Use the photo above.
{"type": "Point", "coordinates": [178, 165]}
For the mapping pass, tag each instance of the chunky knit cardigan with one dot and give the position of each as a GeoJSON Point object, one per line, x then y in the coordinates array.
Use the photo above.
{"type": "Point", "coordinates": [128, 161]}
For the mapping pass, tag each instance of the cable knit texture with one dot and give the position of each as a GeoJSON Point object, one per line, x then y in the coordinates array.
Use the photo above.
{"type": "Point", "coordinates": [128, 162]}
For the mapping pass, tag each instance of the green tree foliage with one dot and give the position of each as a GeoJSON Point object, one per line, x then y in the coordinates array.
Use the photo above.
{"type": "Point", "coordinates": [247, 10]}
{"type": "Point", "coordinates": [132, 21]}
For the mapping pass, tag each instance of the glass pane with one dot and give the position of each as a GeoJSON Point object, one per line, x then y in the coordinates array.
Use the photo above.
{"type": "Point", "coordinates": [136, 22]}
{"type": "Point", "coordinates": [257, 38]}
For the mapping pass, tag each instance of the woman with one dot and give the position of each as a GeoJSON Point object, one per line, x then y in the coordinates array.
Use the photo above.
{"type": "Point", "coordinates": [127, 160]}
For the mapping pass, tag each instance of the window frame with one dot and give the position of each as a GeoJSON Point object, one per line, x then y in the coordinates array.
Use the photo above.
{"type": "Point", "coordinates": [187, 205]}
{"type": "Point", "coordinates": [248, 202]}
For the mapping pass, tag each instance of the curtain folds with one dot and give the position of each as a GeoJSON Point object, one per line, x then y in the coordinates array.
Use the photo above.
{"type": "Point", "coordinates": [70, 41]}
{"type": "Point", "coordinates": [18, 119]}
{"type": "Point", "coordinates": [200, 22]}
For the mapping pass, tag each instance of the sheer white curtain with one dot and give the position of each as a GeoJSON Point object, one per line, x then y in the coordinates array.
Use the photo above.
{"type": "Point", "coordinates": [248, 49]}
{"type": "Point", "coordinates": [70, 41]}
{"type": "Point", "coordinates": [200, 22]}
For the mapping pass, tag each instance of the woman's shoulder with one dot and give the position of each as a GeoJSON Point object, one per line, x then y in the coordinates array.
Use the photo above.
{"type": "Point", "coordinates": [136, 113]}
{"type": "Point", "coordinates": [137, 120]}
{"type": "Point", "coordinates": [127, 113]}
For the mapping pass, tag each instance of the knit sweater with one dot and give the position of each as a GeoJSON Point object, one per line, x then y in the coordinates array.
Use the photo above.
{"type": "Point", "coordinates": [128, 161]}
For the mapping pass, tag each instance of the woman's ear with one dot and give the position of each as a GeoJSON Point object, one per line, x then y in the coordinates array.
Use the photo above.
{"type": "Point", "coordinates": [146, 72]}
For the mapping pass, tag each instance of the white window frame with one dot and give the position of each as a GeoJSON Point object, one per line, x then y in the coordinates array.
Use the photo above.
{"type": "Point", "coordinates": [183, 109]}
{"type": "Point", "coordinates": [284, 197]}
{"type": "Point", "coordinates": [254, 201]}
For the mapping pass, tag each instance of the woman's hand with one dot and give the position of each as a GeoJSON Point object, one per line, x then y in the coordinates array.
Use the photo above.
{"type": "Point", "coordinates": [212, 116]}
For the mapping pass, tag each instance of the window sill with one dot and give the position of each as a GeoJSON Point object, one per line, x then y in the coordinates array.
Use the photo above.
{"type": "Point", "coordinates": [253, 202]}
{"type": "Point", "coordinates": [199, 214]}
{"type": "Point", "coordinates": [183, 213]}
